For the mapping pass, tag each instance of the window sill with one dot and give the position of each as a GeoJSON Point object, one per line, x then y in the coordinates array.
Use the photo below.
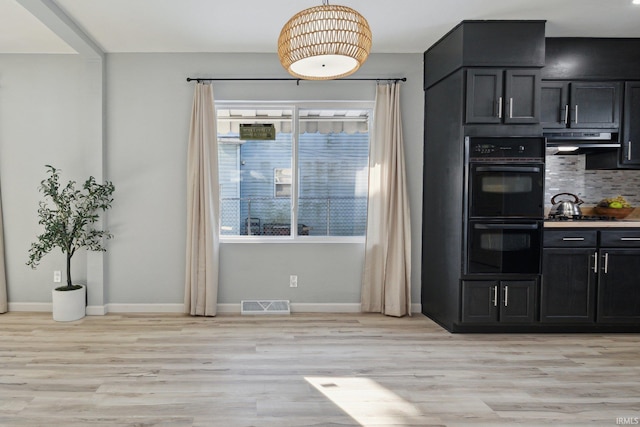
{"type": "Point", "coordinates": [295, 240]}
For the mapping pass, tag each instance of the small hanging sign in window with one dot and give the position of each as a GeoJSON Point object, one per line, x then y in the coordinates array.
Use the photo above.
{"type": "Point", "coordinates": [261, 131]}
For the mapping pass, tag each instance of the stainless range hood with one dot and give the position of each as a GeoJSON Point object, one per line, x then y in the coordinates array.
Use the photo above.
{"type": "Point", "coordinates": [581, 142]}
{"type": "Point", "coordinates": [601, 148]}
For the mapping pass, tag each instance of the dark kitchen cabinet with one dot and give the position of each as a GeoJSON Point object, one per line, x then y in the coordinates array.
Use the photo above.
{"type": "Point", "coordinates": [569, 273]}
{"type": "Point", "coordinates": [554, 98]}
{"type": "Point", "coordinates": [619, 286]}
{"type": "Point", "coordinates": [619, 277]}
{"type": "Point", "coordinates": [605, 60]}
{"type": "Point", "coordinates": [519, 301]}
{"type": "Point", "coordinates": [466, 73]}
{"type": "Point", "coordinates": [591, 276]}
{"type": "Point", "coordinates": [504, 301]}
{"type": "Point", "coordinates": [594, 105]}
{"type": "Point", "coordinates": [503, 96]}
{"type": "Point", "coordinates": [580, 105]}
{"type": "Point", "coordinates": [484, 43]}
{"type": "Point", "coordinates": [630, 150]}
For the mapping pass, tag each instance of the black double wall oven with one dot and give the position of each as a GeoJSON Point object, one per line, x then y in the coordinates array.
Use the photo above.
{"type": "Point", "coordinates": [504, 206]}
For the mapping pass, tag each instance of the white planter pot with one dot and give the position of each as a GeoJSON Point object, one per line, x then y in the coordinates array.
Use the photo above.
{"type": "Point", "coordinates": [69, 305]}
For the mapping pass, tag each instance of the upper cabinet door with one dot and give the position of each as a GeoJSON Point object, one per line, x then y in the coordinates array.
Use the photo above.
{"type": "Point", "coordinates": [484, 96]}
{"type": "Point", "coordinates": [555, 105]}
{"type": "Point", "coordinates": [522, 96]}
{"type": "Point", "coordinates": [630, 151]}
{"type": "Point", "coordinates": [499, 96]}
{"type": "Point", "coordinates": [595, 105]}
{"type": "Point", "coordinates": [580, 105]}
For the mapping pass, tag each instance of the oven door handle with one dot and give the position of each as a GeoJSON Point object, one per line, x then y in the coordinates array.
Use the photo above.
{"type": "Point", "coordinates": [506, 226]}
{"type": "Point", "coordinates": [525, 169]}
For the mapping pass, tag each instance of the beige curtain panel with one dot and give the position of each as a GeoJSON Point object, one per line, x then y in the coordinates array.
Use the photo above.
{"type": "Point", "coordinates": [386, 281]}
{"type": "Point", "coordinates": [203, 239]}
{"type": "Point", "coordinates": [3, 271]}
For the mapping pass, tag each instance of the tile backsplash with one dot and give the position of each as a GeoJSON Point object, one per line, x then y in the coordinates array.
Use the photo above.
{"type": "Point", "coordinates": [567, 174]}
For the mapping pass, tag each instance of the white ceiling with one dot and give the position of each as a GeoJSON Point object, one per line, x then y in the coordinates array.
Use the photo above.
{"type": "Point", "coordinates": [398, 26]}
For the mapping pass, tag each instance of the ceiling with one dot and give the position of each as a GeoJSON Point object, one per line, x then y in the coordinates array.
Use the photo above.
{"type": "Point", "coordinates": [399, 26]}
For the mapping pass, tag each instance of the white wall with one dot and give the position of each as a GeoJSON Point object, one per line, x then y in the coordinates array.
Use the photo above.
{"type": "Point", "coordinates": [147, 121]}
{"type": "Point", "coordinates": [40, 123]}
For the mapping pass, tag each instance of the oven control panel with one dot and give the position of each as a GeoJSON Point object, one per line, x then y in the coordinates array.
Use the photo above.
{"type": "Point", "coordinates": [504, 148]}
{"type": "Point", "coordinates": [497, 150]}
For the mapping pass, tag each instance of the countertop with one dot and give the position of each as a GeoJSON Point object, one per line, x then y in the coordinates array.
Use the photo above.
{"type": "Point", "coordinates": [622, 223]}
{"type": "Point", "coordinates": [631, 221]}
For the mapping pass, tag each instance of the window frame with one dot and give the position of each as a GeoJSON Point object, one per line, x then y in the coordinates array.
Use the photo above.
{"type": "Point", "coordinates": [296, 106]}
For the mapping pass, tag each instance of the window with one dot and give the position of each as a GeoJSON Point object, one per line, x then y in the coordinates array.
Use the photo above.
{"type": "Point", "coordinates": [310, 180]}
{"type": "Point", "coordinates": [282, 180]}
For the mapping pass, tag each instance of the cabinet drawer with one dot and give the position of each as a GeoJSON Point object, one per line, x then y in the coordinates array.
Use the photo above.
{"type": "Point", "coordinates": [620, 238]}
{"type": "Point", "coordinates": [570, 238]}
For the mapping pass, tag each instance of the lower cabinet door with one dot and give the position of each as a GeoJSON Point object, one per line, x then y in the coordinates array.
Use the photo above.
{"type": "Point", "coordinates": [491, 301]}
{"type": "Point", "coordinates": [518, 304]}
{"type": "Point", "coordinates": [480, 301]}
{"type": "Point", "coordinates": [567, 293]}
{"type": "Point", "coordinates": [619, 286]}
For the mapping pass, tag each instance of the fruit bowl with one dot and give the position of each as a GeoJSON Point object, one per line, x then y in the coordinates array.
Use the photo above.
{"type": "Point", "coordinates": [617, 213]}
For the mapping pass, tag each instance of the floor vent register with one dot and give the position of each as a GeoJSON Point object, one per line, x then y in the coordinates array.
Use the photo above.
{"type": "Point", "coordinates": [265, 307]}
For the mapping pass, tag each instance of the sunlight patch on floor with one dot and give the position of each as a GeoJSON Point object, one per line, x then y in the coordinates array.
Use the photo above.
{"type": "Point", "coordinates": [366, 401]}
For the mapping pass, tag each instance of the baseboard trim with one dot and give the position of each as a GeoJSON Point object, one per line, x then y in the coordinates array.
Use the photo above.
{"type": "Point", "coordinates": [30, 306]}
{"type": "Point", "coordinates": [96, 310]}
{"type": "Point", "coordinates": [101, 310]}
{"type": "Point", "coordinates": [304, 307]}
{"type": "Point", "coordinates": [229, 308]}
{"type": "Point", "coordinates": [301, 307]}
{"type": "Point", "coordinates": [145, 308]}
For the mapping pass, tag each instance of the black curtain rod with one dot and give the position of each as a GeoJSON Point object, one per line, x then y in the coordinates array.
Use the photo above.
{"type": "Point", "coordinates": [189, 79]}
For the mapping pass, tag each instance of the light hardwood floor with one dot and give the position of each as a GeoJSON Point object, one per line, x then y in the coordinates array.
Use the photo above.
{"type": "Point", "coordinates": [306, 370]}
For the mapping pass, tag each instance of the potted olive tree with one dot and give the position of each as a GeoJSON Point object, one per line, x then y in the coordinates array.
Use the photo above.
{"type": "Point", "coordinates": [68, 215]}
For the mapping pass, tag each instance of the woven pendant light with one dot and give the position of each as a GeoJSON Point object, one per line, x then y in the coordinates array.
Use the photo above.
{"type": "Point", "coordinates": [324, 42]}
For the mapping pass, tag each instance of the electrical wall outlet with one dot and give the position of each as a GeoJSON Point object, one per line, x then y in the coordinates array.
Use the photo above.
{"type": "Point", "coordinates": [293, 281]}
{"type": "Point", "coordinates": [57, 276]}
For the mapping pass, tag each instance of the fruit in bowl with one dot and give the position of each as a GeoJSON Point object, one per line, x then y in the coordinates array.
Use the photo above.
{"type": "Point", "coordinates": [616, 207]}
{"type": "Point", "coordinates": [614, 203]}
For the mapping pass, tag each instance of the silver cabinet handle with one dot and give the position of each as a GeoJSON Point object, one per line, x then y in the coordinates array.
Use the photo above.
{"type": "Point", "coordinates": [566, 113]}
{"type": "Point", "coordinates": [595, 262]}
{"type": "Point", "coordinates": [573, 239]}
{"type": "Point", "coordinates": [629, 152]}
{"type": "Point", "coordinates": [630, 239]}
{"type": "Point", "coordinates": [500, 107]}
{"type": "Point", "coordinates": [576, 113]}
{"type": "Point", "coordinates": [506, 295]}
{"type": "Point", "coordinates": [495, 295]}
{"type": "Point", "coordinates": [511, 108]}
{"type": "Point", "coordinates": [606, 263]}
